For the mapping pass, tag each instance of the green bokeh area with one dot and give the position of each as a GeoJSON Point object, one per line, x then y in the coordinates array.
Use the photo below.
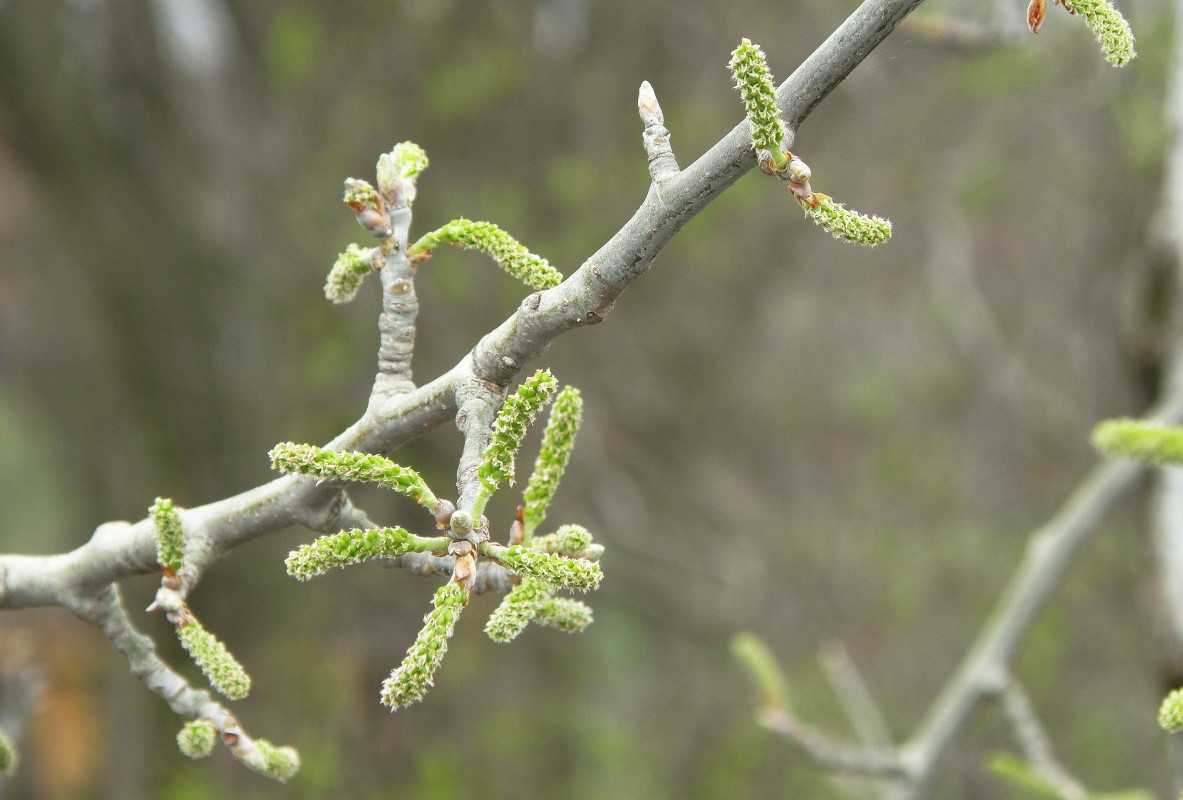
{"type": "Point", "coordinates": [783, 433]}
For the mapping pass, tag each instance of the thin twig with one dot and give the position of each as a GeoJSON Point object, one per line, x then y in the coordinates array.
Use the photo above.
{"type": "Point", "coordinates": [1034, 741]}
{"type": "Point", "coordinates": [854, 695]}
{"type": "Point", "coordinates": [1050, 551]}
{"type": "Point", "coordinates": [827, 752]}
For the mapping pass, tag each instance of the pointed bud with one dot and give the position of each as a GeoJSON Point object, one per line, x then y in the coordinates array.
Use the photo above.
{"type": "Point", "coordinates": [648, 107]}
{"type": "Point", "coordinates": [1036, 11]}
{"type": "Point", "coordinates": [443, 511]}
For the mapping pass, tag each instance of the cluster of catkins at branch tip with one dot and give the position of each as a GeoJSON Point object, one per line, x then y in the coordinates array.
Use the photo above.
{"type": "Point", "coordinates": [397, 173]}
{"type": "Point", "coordinates": [224, 672]}
{"type": "Point", "coordinates": [543, 565]}
{"type": "Point", "coordinates": [749, 69]}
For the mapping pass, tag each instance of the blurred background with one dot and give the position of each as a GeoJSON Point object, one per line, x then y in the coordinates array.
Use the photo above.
{"type": "Point", "coordinates": [783, 433]}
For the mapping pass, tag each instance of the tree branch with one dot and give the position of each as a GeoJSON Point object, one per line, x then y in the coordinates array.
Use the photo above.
{"type": "Point", "coordinates": [1033, 739]}
{"type": "Point", "coordinates": [1050, 551]}
{"type": "Point", "coordinates": [396, 413]}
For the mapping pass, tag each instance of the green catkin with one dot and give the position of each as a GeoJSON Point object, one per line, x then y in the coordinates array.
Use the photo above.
{"type": "Point", "coordinates": [1110, 29]}
{"type": "Point", "coordinates": [1151, 442]}
{"type": "Point", "coordinates": [281, 763]}
{"type": "Point", "coordinates": [564, 613]}
{"type": "Point", "coordinates": [306, 459]}
{"type": "Point", "coordinates": [557, 443]}
{"type": "Point", "coordinates": [762, 668]}
{"type": "Point", "coordinates": [516, 610]}
{"type": "Point", "coordinates": [534, 271]}
{"type": "Point", "coordinates": [410, 680]}
{"type": "Point", "coordinates": [846, 224]}
{"type": "Point", "coordinates": [749, 69]}
{"type": "Point", "coordinates": [7, 755]}
{"type": "Point", "coordinates": [516, 415]}
{"type": "Point", "coordinates": [222, 670]}
{"type": "Point", "coordinates": [567, 573]}
{"type": "Point", "coordinates": [355, 546]}
{"type": "Point", "coordinates": [1170, 713]}
{"type": "Point", "coordinates": [347, 274]}
{"type": "Point", "coordinates": [197, 738]}
{"type": "Point", "coordinates": [572, 540]}
{"type": "Point", "coordinates": [170, 535]}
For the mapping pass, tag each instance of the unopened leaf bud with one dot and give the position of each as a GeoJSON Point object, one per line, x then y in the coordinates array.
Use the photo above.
{"type": "Point", "coordinates": [197, 738]}
{"type": "Point", "coordinates": [368, 206]}
{"type": "Point", "coordinates": [443, 511]}
{"type": "Point", "coordinates": [460, 523]}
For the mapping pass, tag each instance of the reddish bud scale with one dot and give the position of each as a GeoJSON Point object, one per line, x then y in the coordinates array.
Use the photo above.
{"type": "Point", "coordinates": [443, 511]}
{"type": "Point", "coordinates": [1036, 11]}
{"type": "Point", "coordinates": [376, 223]}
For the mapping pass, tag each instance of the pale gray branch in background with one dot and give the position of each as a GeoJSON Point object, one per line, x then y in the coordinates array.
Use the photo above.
{"type": "Point", "coordinates": [1051, 550]}
{"type": "Point", "coordinates": [1168, 503]}
{"type": "Point", "coordinates": [984, 671]}
{"type": "Point", "coordinates": [1037, 748]}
